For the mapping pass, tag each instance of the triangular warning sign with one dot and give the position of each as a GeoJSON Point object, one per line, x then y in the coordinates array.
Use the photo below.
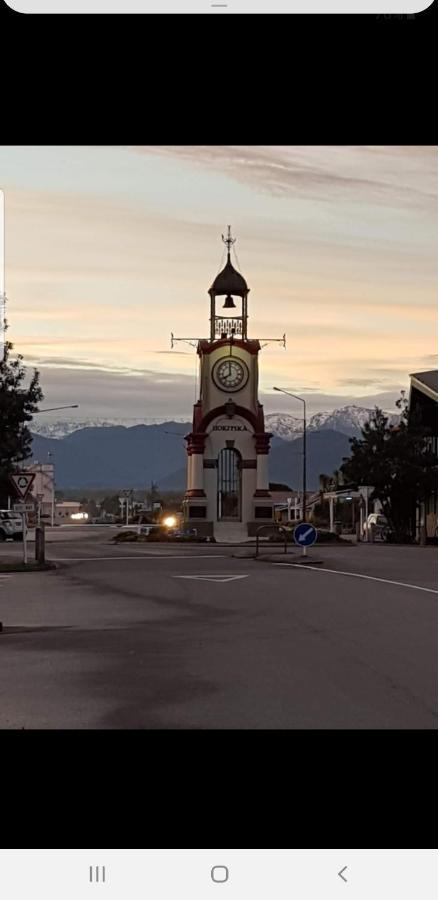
{"type": "Point", "coordinates": [22, 482]}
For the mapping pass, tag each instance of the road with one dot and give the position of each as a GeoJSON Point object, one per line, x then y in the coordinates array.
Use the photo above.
{"type": "Point", "coordinates": [170, 636]}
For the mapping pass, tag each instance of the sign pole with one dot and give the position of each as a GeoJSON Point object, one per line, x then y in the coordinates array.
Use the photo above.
{"type": "Point", "coordinates": [23, 519]}
{"type": "Point", "coordinates": [305, 536]}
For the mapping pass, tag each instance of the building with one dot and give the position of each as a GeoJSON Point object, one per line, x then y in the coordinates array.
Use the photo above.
{"type": "Point", "coordinates": [359, 500]}
{"type": "Point", "coordinates": [69, 512]}
{"type": "Point", "coordinates": [288, 504]}
{"type": "Point", "coordinates": [423, 408]}
{"type": "Point", "coordinates": [227, 450]}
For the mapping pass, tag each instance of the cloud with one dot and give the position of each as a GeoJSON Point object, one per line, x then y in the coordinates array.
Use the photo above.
{"type": "Point", "coordinates": [174, 352]}
{"type": "Point", "coordinates": [72, 364]}
{"type": "Point", "coordinates": [101, 394]}
{"type": "Point", "coordinates": [320, 172]}
{"type": "Point", "coordinates": [106, 259]}
{"type": "Point", "coordinates": [358, 382]}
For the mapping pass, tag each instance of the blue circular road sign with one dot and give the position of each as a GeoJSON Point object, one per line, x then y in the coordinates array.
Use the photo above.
{"type": "Point", "coordinates": [305, 535]}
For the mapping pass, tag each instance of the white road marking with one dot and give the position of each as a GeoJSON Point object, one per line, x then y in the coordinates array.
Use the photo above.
{"type": "Point", "coordinates": [217, 578]}
{"type": "Point", "coordinates": [118, 558]}
{"type": "Point", "coordinates": [415, 587]}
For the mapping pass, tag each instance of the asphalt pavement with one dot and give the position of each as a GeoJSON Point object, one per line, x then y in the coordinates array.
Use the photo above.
{"type": "Point", "coordinates": [204, 637]}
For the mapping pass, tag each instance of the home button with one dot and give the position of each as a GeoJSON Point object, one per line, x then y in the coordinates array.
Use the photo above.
{"type": "Point", "coordinates": [220, 874]}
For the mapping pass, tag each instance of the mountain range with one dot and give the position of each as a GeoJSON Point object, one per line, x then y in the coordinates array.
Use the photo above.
{"type": "Point", "coordinates": [348, 420]}
{"type": "Point", "coordinates": [105, 454]}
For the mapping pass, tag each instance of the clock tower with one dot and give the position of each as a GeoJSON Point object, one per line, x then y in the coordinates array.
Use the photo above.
{"type": "Point", "coordinates": [227, 492]}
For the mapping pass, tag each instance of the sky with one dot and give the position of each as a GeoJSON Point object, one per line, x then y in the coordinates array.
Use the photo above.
{"type": "Point", "coordinates": [110, 249]}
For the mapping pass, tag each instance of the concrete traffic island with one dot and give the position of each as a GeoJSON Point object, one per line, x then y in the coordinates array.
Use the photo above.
{"type": "Point", "coordinates": [292, 559]}
{"type": "Point", "coordinates": [278, 556]}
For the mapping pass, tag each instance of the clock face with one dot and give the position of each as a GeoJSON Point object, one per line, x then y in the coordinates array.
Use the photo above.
{"type": "Point", "coordinates": [230, 374]}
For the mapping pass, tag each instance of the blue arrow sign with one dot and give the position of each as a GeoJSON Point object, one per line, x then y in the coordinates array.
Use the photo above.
{"type": "Point", "coordinates": [305, 535]}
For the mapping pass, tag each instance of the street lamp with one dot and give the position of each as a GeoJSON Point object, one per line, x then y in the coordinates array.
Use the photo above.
{"type": "Point", "coordinates": [282, 391]}
{"type": "Point", "coordinates": [50, 458]}
{"type": "Point", "coordinates": [53, 408]}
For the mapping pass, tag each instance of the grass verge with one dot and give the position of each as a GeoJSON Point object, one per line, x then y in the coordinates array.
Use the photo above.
{"type": "Point", "coordinates": [29, 567]}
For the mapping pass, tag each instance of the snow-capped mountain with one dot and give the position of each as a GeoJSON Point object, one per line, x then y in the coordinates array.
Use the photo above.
{"type": "Point", "coordinates": [284, 426]}
{"type": "Point", "coordinates": [348, 420]}
{"type": "Point", "coordinates": [60, 429]}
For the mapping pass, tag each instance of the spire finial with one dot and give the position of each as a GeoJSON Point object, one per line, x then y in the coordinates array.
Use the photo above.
{"type": "Point", "coordinates": [229, 241]}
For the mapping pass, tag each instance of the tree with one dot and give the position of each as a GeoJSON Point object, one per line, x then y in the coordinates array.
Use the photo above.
{"type": "Point", "coordinates": [17, 405]}
{"type": "Point", "coordinates": [111, 505]}
{"type": "Point", "coordinates": [397, 461]}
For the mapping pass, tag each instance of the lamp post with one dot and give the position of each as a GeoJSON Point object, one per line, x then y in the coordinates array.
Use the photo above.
{"type": "Point", "coordinates": [301, 399]}
{"type": "Point", "coordinates": [50, 458]}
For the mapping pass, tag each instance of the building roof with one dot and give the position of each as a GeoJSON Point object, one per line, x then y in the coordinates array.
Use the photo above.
{"type": "Point", "coordinates": [283, 496]}
{"type": "Point", "coordinates": [229, 281]}
{"type": "Point", "coordinates": [426, 382]}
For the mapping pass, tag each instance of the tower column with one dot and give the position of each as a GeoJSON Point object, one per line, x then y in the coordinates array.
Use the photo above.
{"type": "Point", "coordinates": [198, 472]}
{"type": "Point", "coordinates": [262, 472]}
{"type": "Point", "coordinates": [262, 450]}
{"type": "Point", "coordinates": [189, 472]}
{"type": "Point", "coordinates": [196, 444]}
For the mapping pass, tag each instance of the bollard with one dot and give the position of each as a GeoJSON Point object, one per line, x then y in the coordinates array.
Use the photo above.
{"type": "Point", "coordinates": [40, 544]}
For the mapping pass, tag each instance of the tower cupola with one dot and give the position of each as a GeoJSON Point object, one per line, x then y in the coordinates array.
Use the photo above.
{"type": "Point", "coordinates": [229, 283]}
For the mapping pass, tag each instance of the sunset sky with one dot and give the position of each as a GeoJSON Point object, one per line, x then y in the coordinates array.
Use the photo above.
{"type": "Point", "coordinates": [108, 250]}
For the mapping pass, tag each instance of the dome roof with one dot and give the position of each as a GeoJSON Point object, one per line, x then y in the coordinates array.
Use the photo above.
{"type": "Point", "coordinates": [229, 281]}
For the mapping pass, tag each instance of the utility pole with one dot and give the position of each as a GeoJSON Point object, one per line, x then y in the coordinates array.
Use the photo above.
{"type": "Point", "coordinates": [50, 457]}
{"type": "Point", "coordinates": [304, 461]}
{"type": "Point", "coordinates": [301, 399]}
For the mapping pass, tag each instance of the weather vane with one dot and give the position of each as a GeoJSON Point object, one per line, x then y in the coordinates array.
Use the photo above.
{"type": "Point", "coordinates": [229, 241]}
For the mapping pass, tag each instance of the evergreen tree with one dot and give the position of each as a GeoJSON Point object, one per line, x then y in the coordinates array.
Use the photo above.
{"type": "Point", "coordinates": [398, 462]}
{"type": "Point", "coordinates": [17, 405]}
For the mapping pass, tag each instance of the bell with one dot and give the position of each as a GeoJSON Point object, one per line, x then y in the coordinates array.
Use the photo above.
{"type": "Point", "coordinates": [229, 303]}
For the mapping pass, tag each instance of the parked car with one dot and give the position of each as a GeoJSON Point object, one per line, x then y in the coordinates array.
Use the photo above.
{"type": "Point", "coordinates": [11, 525]}
{"type": "Point", "coordinates": [183, 532]}
{"type": "Point", "coordinates": [141, 529]}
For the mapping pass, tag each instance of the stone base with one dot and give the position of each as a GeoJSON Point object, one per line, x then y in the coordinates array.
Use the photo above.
{"type": "Point", "coordinates": [231, 532]}
{"type": "Point", "coordinates": [203, 529]}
